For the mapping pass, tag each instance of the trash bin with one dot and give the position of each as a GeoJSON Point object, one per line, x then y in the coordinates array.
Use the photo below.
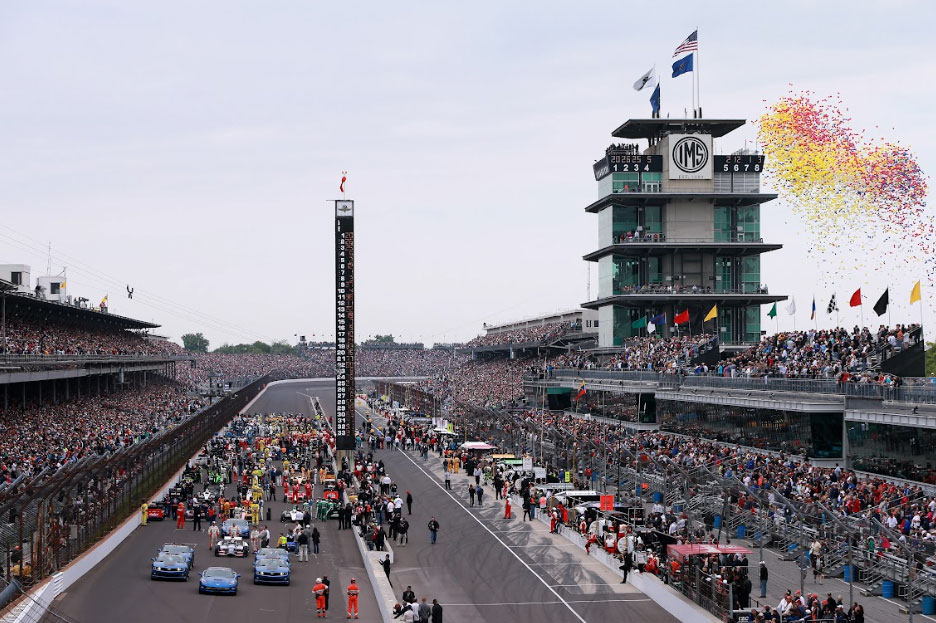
{"type": "Point", "coordinates": [848, 573]}
{"type": "Point", "coordinates": [742, 531]}
{"type": "Point", "coordinates": [269, 513]}
{"type": "Point", "coordinates": [717, 522]}
{"type": "Point", "coordinates": [887, 589]}
{"type": "Point", "coordinates": [657, 496]}
{"type": "Point", "coordinates": [929, 605]}
{"type": "Point", "coordinates": [678, 507]}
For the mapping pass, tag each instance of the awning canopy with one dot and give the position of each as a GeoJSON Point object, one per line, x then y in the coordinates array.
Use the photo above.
{"type": "Point", "coordinates": [477, 445]}
{"type": "Point", "coordinates": [704, 549]}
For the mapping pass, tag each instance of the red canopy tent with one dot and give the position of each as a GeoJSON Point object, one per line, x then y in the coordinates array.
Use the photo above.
{"type": "Point", "coordinates": [703, 549]}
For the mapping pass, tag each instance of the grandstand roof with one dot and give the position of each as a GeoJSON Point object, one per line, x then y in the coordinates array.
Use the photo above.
{"type": "Point", "coordinates": [29, 305]}
{"type": "Point", "coordinates": [651, 128]}
{"type": "Point", "coordinates": [6, 286]}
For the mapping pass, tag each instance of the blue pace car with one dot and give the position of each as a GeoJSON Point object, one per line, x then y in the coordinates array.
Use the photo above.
{"type": "Point", "coordinates": [271, 571]}
{"type": "Point", "coordinates": [187, 552]}
{"type": "Point", "coordinates": [236, 527]}
{"type": "Point", "coordinates": [169, 567]}
{"type": "Point", "coordinates": [271, 552]}
{"type": "Point", "coordinates": [218, 580]}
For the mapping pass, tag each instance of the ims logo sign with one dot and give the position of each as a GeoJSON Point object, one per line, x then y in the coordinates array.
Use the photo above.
{"type": "Point", "coordinates": [690, 157]}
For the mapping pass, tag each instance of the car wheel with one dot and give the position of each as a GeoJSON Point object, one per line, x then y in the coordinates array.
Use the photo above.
{"type": "Point", "coordinates": [235, 592]}
{"type": "Point", "coordinates": [201, 591]}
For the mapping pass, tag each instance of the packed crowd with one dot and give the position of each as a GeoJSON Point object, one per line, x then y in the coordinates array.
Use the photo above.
{"type": "Point", "coordinates": [51, 436]}
{"type": "Point", "coordinates": [642, 353]}
{"type": "Point", "coordinates": [541, 333]}
{"type": "Point", "coordinates": [818, 353]}
{"type": "Point", "coordinates": [482, 383]}
{"type": "Point", "coordinates": [25, 336]}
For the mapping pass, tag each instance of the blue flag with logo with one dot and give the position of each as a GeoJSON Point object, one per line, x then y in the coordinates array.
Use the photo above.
{"type": "Point", "coordinates": [661, 319]}
{"type": "Point", "coordinates": [655, 99]}
{"type": "Point", "coordinates": [682, 66]}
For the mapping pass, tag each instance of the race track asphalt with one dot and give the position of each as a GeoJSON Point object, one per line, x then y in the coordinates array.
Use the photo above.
{"type": "Point", "coordinates": [483, 568]}
{"type": "Point", "coordinates": [120, 589]}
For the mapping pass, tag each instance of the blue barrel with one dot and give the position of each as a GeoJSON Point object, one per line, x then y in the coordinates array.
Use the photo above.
{"type": "Point", "coordinates": [678, 508]}
{"type": "Point", "coordinates": [742, 531]}
{"type": "Point", "coordinates": [793, 547]}
{"type": "Point", "coordinates": [717, 522]}
{"type": "Point", "coordinates": [848, 573]}
{"type": "Point", "coordinates": [657, 496]}
{"type": "Point", "coordinates": [929, 605]}
{"type": "Point", "coordinates": [887, 589]}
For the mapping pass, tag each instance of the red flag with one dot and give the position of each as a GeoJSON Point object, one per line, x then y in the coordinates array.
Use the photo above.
{"type": "Point", "coordinates": [344, 178]}
{"type": "Point", "coordinates": [682, 317]}
{"type": "Point", "coordinates": [856, 298]}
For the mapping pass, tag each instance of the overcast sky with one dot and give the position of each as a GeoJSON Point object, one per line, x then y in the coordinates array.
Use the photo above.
{"type": "Point", "coordinates": [188, 149]}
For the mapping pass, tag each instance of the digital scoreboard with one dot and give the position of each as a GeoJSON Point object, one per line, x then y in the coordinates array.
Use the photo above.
{"type": "Point", "coordinates": [741, 163]}
{"type": "Point", "coordinates": [344, 325]}
{"type": "Point", "coordinates": [627, 163]}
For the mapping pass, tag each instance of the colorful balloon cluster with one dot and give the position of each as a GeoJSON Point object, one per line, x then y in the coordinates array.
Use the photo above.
{"type": "Point", "coordinates": [860, 199]}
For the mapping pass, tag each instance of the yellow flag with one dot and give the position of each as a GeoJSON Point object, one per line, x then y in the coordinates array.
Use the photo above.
{"type": "Point", "coordinates": [915, 293]}
{"type": "Point", "coordinates": [713, 313]}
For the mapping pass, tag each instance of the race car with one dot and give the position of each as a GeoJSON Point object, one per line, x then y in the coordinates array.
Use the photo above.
{"type": "Point", "coordinates": [169, 567]}
{"type": "Point", "coordinates": [185, 550]}
{"type": "Point", "coordinates": [232, 546]}
{"type": "Point", "coordinates": [155, 512]}
{"type": "Point", "coordinates": [218, 580]}
{"type": "Point", "coordinates": [241, 527]}
{"type": "Point", "coordinates": [271, 571]}
{"type": "Point", "coordinates": [291, 514]}
{"type": "Point", "coordinates": [272, 552]}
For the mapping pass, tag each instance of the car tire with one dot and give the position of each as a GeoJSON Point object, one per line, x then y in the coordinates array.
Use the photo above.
{"type": "Point", "coordinates": [235, 592]}
{"type": "Point", "coordinates": [201, 591]}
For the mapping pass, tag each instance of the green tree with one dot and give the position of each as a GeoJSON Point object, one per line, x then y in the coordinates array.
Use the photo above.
{"type": "Point", "coordinates": [384, 339]}
{"type": "Point", "coordinates": [195, 343]}
{"type": "Point", "coordinates": [282, 347]}
{"type": "Point", "coordinates": [931, 359]}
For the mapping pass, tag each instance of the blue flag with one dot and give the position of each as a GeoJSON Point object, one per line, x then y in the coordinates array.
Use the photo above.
{"type": "Point", "coordinates": [661, 319]}
{"type": "Point", "coordinates": [655, 100]}
{"type": "Point", "coordinates": [682, 66]}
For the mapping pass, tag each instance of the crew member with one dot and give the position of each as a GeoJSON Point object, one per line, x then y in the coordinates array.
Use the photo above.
{"type": "Point", "coordinates": [507, 514]}
{"type": "Point", "coordinates": [143, 513]}
{"type": "Point", "coordinates": [353, 591]}
{"type": "Point", "coordinates": [319, 590]}
{"type": "Point", "coordinates": [180, 516]}
{"type": "Point", "coordinates": [214, 532]}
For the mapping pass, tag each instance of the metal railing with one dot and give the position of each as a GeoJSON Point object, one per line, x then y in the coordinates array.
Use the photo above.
{"type": "Point", "coordinates": [922, 393]}
{"type": "Point", "coordinates": [52, 358]}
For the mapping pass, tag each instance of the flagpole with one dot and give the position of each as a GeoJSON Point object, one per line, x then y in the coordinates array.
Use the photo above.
{"type": "Point", "coordinates": [698, 97]}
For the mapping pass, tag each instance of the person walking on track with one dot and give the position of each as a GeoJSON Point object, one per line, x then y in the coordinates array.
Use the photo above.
{"type": "Point", "coordinates": [319, 590]}
{"type": "Point", "coordinates": [353, 591]}
{"type": "Point", "coordinates": [433, 530]}
{"type": "Point", "coordinates": [507, 514]}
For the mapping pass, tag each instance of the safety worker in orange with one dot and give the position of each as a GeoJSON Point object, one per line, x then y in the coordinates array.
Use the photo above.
{"type": "Point", "coordinates": [353, 591]}
{"type": "Point", "coordinates": [180, 516]}
{"type": "Point", "coordinates": [319, 590]}
{"type": "Point", "coordinates": [507, 514]}
{"type": "Point", "coordinates": [144, 508]}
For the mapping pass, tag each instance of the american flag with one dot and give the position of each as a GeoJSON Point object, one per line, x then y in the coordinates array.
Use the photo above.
{"type": "Point", "coordinates": [691, 43]}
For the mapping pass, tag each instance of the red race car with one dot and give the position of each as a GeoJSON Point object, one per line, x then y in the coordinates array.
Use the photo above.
{"type": "Point", "coordinates": [155, 513]}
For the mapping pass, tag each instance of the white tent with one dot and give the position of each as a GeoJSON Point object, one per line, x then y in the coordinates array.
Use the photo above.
{"type": "Point", "coordinates": [443, 431]}
{"type": "Point", "coordinates": [477, 445]}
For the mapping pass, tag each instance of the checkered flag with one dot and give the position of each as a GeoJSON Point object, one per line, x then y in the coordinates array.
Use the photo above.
{"type": "Point", "coordinates": [833, 306]}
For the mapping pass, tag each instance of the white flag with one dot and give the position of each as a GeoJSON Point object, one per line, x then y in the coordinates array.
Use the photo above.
{"type": "Point", "coordinates": [644, 80]}
{"type": "Point", "coordinates": [791, 308]}
{"type": "Point", "coordinates": [651, 327]}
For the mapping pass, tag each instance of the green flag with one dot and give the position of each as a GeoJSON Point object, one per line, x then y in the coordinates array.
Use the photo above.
{"type": "Point", "coordinates": [773, 311]}
{"type": "Point", "coordinates": [639, 324]}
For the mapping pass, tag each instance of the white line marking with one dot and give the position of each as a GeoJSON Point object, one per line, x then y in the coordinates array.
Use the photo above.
{"type": "Point", "coordinates": [498, 539]}
{"type": "Point", "coordinates": [547, 545]}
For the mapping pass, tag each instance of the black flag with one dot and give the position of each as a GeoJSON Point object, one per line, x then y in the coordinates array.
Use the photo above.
{"type": "Point", "coordinates": [832, 306]}
{"type": "Point", "coordinates": [881, 306]}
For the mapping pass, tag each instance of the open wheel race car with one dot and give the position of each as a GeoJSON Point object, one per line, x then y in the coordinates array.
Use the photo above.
{"type": "Point", "coordinates": [232, 546]}
{"type": "Point", "coordinates": [291, 514]}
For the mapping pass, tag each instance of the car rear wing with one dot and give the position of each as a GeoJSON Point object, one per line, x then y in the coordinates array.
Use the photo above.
{"type": "Point", "coordinates": [192, 545]}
